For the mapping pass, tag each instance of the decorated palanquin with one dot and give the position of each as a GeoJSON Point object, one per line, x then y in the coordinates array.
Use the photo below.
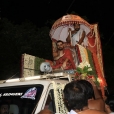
{"type": "Point", "coordinates": [91, 54]}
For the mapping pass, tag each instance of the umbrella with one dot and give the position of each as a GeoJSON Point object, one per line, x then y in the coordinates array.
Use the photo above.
{"type": "Point", "coordinates": [59, 30]}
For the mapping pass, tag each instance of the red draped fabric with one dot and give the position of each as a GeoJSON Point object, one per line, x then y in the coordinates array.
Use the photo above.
{"type": "Point", "coordinates": [70, 63]}
{"type": "Point", "coordinates": [94, 45]}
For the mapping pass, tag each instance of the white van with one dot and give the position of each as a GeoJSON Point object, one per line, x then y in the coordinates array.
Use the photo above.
{"type": "Point", "coordinates": [29, 95]}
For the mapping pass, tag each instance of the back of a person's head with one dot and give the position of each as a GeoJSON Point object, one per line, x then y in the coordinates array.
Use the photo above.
{"type": "Point", "coordinates": [4, 108]}
{"type": "Point", "coordinates": [74, 96]}
{"type": "Point", "coordinates": [45, 111]}
{"type": "Point", "coordinates": [88, 88]}
{"type": "Point", "coordinates": [110, 102]}
{"type": "Point", "coordinates": [4, 103]}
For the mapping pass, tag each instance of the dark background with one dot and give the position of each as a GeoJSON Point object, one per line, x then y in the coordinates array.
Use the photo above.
{"type": "Point", "coordinates": [38, 12]}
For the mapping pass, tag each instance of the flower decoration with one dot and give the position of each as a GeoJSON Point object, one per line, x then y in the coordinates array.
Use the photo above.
{"type": "Point", "coordinates": [84, 69]}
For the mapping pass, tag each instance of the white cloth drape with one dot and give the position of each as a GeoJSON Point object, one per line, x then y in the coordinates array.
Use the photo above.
{"type": "Point", "coordinates": [72, 112]}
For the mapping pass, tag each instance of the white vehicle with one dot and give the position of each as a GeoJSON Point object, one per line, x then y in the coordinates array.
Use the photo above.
{"type": "Point", "coordinates": [29, 95]}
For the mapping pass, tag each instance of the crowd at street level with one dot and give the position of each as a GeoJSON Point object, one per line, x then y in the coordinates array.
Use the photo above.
{"type": "Point", "coordinates": [83, 97]}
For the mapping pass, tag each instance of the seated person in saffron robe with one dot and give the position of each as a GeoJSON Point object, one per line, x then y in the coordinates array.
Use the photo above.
{"type": "Point", "coordinates": [63, 58]}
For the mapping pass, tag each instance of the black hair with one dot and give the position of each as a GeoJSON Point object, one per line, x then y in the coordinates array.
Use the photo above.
{"type": "Point", "coordinates": [4, 103]}
{"type": "Point", "coordinates": [75, 24]}
{"type": "Point", "coordinates": [110, 102]}
{"type": "Point", "coordinates": [59, 41]}
{"type": "Point", "coordinates": [88, 88]}
{"type": "Point", "coordinates": [74, 96]}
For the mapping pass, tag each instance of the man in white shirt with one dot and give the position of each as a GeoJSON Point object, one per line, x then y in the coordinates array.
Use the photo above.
{"type": "Point", "coordinates": [77, 36]}
{"type": "Point", "coordinates": [72, 112]}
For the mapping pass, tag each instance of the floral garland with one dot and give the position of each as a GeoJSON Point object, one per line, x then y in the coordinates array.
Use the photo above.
{"type": "Point", "coordinates": [93, 67]}
{"type": "Point", "coordinates": [85, 67]}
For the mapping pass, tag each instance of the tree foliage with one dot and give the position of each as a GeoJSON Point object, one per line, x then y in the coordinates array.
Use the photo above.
{"type": "Point", "coordinates": [18, 39]}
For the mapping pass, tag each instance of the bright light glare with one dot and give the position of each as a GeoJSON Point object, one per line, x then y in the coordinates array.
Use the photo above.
{"type": "Point", "coordinates": [32, 78]}
{"type": "Point", "coordinates": [13, 80]}
{"type": "Point", "coordinates": [99, 80]}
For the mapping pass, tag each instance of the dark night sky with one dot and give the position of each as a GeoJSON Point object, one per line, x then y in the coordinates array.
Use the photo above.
{"type": "Point", "coordinates": [39, 11]}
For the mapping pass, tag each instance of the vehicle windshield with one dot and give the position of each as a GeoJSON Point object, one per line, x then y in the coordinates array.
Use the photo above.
{"type": "Point", "coordinates": [22, 99]}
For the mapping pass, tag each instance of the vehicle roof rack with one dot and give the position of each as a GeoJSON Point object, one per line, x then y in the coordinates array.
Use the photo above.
{"type": "Point", "coordinates": [60, 75]}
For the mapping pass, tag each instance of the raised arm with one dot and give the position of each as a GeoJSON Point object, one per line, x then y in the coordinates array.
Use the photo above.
{"type": "Point", "coordinates": [82, 37]}
{"type": "Point", "coordinates": [68, 39]}
{"type": "Point", "coordinates": [96, 91]}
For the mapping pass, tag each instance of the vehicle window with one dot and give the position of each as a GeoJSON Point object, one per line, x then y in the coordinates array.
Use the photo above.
{"type": "Point", "coordinates": [50, 104]}
{"type": "Point", "coordinates": [21, 98]}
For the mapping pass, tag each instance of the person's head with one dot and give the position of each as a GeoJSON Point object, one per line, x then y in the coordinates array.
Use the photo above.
{"type": "Point", "coordinates": [74, 96]}
{"type": "Point", "coordinates": [110, 102]}
{"type": "Point", "coordinates": [76, 26]}
{"type": "Point", "coordinates": [60, 45]}
{"type": "Point", "coordinates": [45, 111]}
{"type": "Point", "coordinates": [88, 88]}
{"type": "Point", "coordinates": [4, 108]}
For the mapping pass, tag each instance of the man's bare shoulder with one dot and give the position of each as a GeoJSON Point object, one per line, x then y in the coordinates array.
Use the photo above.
{"type": "Point", "coordinates": [96, 104]}
{"type": "Point", "coordinates": [98, 100]}
{"type": "Point", "coordinates": [97, 112]}
{"type": "Point", "coordinates": [90, 111]}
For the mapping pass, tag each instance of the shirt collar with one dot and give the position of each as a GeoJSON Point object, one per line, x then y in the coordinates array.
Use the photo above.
{"type": "Point", "coordinates": [72, 112]}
